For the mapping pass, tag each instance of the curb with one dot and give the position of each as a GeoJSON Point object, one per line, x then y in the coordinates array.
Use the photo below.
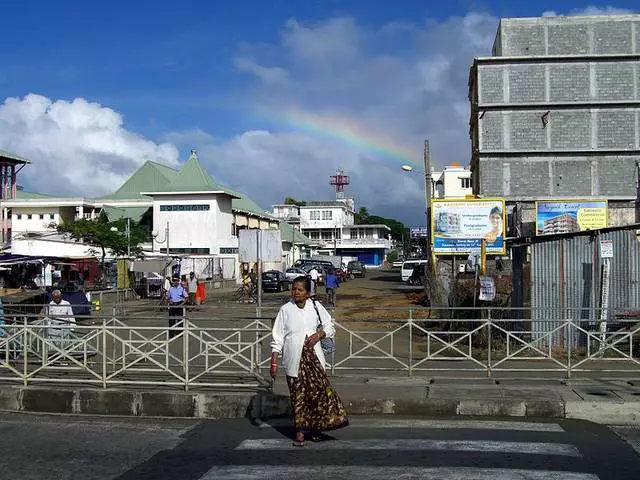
{"type": "Point", "coordinates": [265, 405]}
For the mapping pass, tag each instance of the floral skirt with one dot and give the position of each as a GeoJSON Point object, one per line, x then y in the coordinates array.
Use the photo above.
{"type": "Point", "coordinates": [316, 405]}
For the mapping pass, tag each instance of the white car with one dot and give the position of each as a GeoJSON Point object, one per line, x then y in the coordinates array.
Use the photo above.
{"type": "Point", "coordinates": [292, 273]}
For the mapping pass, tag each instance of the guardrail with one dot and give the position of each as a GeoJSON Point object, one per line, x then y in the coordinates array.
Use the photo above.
{"type": "Point", "coordinates": [233, 351]}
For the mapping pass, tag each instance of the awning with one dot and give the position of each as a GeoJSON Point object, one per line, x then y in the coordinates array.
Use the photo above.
{"type": "Point", "coordinates": [149, 266]}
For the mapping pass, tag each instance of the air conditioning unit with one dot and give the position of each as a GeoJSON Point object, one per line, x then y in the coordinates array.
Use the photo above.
{"type": "Point", "coordinates": [462, 268]}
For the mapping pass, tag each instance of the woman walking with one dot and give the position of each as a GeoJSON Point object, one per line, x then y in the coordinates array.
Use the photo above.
{"type": "Point", "coordinates": [296, 337]}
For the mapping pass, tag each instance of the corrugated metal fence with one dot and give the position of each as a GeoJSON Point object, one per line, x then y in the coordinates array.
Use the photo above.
{"type": "Point", "coordinates": [566, 281]}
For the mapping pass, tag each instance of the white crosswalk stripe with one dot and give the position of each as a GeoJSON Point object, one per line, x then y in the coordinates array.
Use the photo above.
{"type": "Point", "coordinates": [264, 472]}
{"type": "Point", "coordinates": [530, 448]}
{"type": "Point", "coordinates": [395, 444]}
{"type": "Point", "coordinates": [443, 424]}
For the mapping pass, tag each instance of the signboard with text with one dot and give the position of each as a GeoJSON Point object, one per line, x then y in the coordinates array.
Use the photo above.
{"type": "Point", "coordinates": [418, 232]}
{"type": "Point", "coordinates": [459, 226]}
{"type": "Point", "coordinates": [554, 216]}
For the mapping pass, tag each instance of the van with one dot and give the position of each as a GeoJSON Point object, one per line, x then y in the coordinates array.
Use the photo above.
{"type": "Point", "coordinates": [407, 268]}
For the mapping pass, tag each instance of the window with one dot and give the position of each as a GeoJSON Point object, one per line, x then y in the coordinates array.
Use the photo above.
{"type": "Point", "coordinates": [51, 216]}
{"type": "Point", "coordinates": [327, 236]}
{"type": "Point", "coordinates": [314, 215]}
{"type": "Point", "coordinates": [19, 216]}
{"type": "Point", "coordinates": [29, 217]}
{"type": "Point", "coordinates": [466, 182]}
{"type": "Point", "coordinates": [327, 215]}
{"type": "Point", "coordinates": [41, 216]}
{"type": "Point", "coordinates": [314, 235]}
{"type": "Point", "coordinates": [369, 233]}
{"type": "Point", "coordinates": [184, 208]}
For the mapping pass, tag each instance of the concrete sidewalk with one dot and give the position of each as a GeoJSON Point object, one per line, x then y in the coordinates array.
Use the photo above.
{"type": "Point", "coordinates": [610, 401]}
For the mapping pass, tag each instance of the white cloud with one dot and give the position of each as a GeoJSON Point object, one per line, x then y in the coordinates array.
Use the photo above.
{"type": "Point", "coordinates": [397, 84]}
{"type": "Point", "coordinates": [590, 10]}
{"type": "Point", "coordinates": [76, 147]}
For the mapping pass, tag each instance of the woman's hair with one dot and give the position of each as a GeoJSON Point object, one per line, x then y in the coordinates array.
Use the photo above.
{"type": "Point", "coordinates": [495, 210]}
{"type": "Point", "coordinates": [305, 281]}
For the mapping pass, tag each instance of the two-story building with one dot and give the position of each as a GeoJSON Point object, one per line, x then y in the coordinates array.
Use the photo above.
{"type": "Point", "coordinates": [331, 228]}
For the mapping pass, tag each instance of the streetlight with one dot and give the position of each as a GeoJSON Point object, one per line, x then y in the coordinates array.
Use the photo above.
{"type": "Point", "coordinates": [155, 233]}
{"type": "Point", "coordinates": [428, 194]}
{"type": "Point", "coordinates": [127, 233]}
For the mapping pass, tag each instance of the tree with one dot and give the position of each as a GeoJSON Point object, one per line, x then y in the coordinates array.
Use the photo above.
{"type": "Point", "coordinates": [293, 201]}
{"type": "Point", "coordinates": [103, 235]}
{"type": "Point", "coordinates": [361, 217]}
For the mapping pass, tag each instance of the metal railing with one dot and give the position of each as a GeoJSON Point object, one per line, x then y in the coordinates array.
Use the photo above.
{"type": "Point", "coordinates": [230, 349]}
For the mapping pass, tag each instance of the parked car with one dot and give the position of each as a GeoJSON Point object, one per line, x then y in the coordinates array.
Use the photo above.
{"type": "Point", "coordinates": [398, 263]}
{"type": "Point", "coordinates": [292, 273]}
{"type": "Point", "coordinates": [274, 281]}
{"type": "Point", "coordinates": [356, 269]}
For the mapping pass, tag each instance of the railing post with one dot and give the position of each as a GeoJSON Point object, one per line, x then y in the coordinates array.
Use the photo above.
{"type": "Point", "coordinates": [25, 360]}
{"type": "Point", "coordinates": [410, 342]}
{"type": "Point", "coordinates": [185, 351]}
{"type": "Point", "coordinates": [489, 344]}
{"type": "Point", "coordinates": [104, 353]}
{"type": "Point", "coordinates": [258, 341]}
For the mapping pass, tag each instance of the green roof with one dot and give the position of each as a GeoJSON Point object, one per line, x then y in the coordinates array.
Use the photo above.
{"type": "Point", "coordinates": [149, 177]}
{"type": "Point", "coordinates": [22, 195]}
{"type": "Point", "coordinates": [245, 204]}
{"type": "Point", "coordinates": [116, 213]}
{"type": "Point", "coordinates": [288, 232]}
{"type": "Point", "coordinates": [12, 157]}
{"type": "Point", "coordinates": [192, 177]}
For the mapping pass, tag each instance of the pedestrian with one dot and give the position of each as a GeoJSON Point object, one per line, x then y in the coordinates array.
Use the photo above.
{"type": "Point", "coordinates": [201, 293]}
{"type": "Point", "coordinates": [296, 338]}
{"type": "Point", "coordinates": [314, 275]}
{"type": "Point", "coordinates": [58, 312]}
{"type": "Point", "coordinates": [176, 297]}
{"type": "Point", "coordinates": [192, 285]}
{"type": "Point", "coordinates": [331, 283]}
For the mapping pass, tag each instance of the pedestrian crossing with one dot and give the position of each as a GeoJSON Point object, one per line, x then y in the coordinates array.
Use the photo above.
{"type": "Point", "coordinates": [411, 449]}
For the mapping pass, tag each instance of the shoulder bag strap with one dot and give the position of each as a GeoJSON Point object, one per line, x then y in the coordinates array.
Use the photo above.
{"type": "Point", "coordinates": [318, 313]}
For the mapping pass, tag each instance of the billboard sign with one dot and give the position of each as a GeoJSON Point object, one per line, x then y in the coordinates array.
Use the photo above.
{"type": "Point", "coordinates": [554, 216]}
{"type": "Point", "coordinates": [460, 225]}
{"type": "Point", "coordinates": [418, 232]}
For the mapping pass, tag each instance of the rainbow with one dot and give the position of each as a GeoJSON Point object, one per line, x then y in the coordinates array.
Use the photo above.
{"type": "Point", "coordinates": [348, 132]}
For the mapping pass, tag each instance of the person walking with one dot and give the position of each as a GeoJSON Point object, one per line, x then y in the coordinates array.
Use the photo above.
{"type": "Point", "coordinates": [176, 297]}
{"type": "Point", "coordinates": [296, 339]}
{"type": "Point", "coordinates": [331, 283]}
{"type": "Point", "coordinates": [314, 275]}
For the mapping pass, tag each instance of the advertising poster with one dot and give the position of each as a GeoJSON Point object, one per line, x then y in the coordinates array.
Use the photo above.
{"type": "Point", "coordinates": [567, 217]}
{"type": "Point", "coordinates": [460, 225]}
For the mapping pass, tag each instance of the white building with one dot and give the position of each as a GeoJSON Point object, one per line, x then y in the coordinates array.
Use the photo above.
{"type": "Point", "coordinates": [332, 230]}
{"type": "Point", "coordinates": [452, 182]}
{"type": "Point", "coordinates": [188, 212]}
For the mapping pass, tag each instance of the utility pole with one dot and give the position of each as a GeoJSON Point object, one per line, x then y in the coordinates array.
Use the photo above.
{"type": "Point", "coordinates": [427, 202]}
{"type": "Point", "coordinates": [128, 238]}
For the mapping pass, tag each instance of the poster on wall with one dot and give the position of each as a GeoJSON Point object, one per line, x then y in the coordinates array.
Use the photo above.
{"type": "Point", "coordinates": [554, 216]}
{"type": "Point", "coordinates": [460, 225]}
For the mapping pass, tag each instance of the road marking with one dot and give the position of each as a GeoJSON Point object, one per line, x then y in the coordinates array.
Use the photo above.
{"type": "Point", "coordinates": [269, 472]}
{"type": "Point", "coordinates": [441, 424]}
{"type": "Point", "coordinates": [418, 444]}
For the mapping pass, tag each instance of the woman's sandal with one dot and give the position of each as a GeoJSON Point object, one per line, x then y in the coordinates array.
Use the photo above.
{"type": "Point", "coordinates": [299, 441]}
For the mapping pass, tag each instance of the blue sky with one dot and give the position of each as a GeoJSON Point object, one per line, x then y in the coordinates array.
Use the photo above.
{"type": "Point", "coordinates": [151, 80]}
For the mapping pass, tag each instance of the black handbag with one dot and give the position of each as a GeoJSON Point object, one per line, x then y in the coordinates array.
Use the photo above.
{"type": "Point", "coordinates": [327, 344]}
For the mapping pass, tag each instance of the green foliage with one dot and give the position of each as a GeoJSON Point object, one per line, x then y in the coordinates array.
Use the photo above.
{"type": "Point", "coordinates": [98, 233]}
{"type": "Point", "coordinates": [293, 201]}
{"type": "Point", "coordinates": [361, 217]}
{"type": "Point", "coordinates": [392, 256]}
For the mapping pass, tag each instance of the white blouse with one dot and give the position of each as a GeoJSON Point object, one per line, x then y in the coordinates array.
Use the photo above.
{"type": "Point", "coordinates": [291, 327]}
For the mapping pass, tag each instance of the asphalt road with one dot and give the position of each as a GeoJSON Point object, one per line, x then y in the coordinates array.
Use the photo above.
{"type": "Point", "coordinates": [63, 447]}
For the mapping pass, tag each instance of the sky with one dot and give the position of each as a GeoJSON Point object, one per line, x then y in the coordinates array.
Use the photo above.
{"type": "Point", "coordinates": [274, 95]}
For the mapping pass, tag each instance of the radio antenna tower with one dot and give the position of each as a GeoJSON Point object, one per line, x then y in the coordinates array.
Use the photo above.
{"type": "Point", "coordinates": [338, 182]}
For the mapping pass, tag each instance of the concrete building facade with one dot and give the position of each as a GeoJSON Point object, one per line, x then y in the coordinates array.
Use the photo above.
{"type": "Point", "coordinates": [555, 112]}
